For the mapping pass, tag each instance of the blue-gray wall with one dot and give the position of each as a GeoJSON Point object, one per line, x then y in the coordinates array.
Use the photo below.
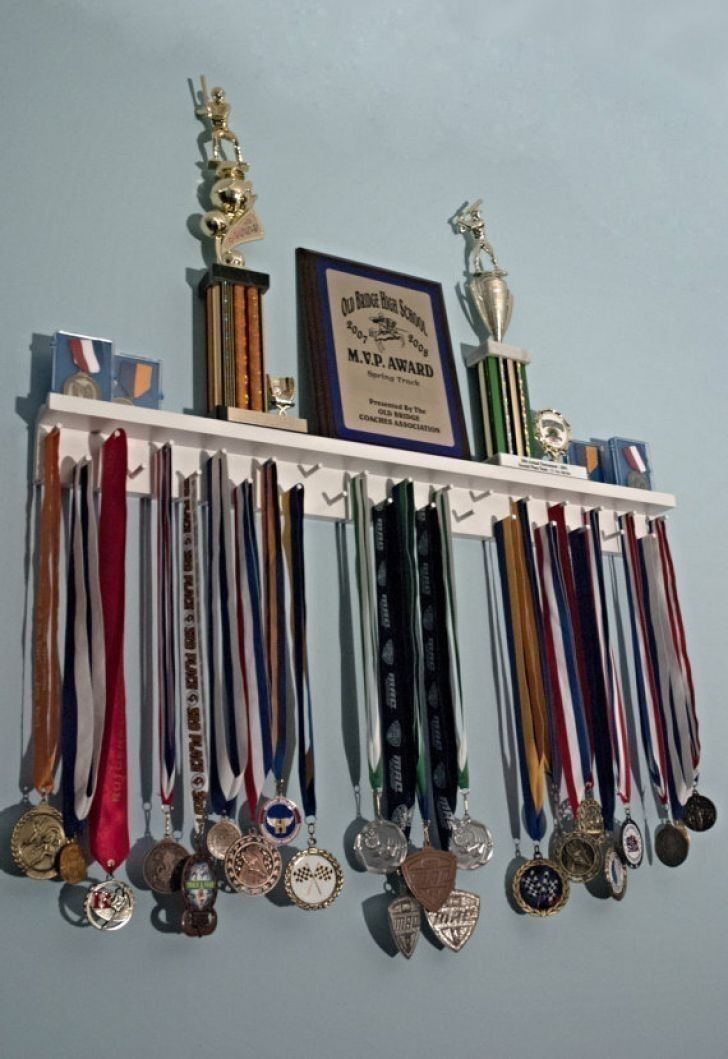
{"type": "Point", "coordinates": [596, 134]}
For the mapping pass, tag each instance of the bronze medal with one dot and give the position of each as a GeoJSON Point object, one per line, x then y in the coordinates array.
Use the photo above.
{"type": "Point", "coordinates": [252, 865]}
{"type": "Point", "coordinates": [700, 812]}
{"type": "Point", "coordinates": [672, 844]}
{"type": "Point", "coordinates": [36, 840]}
{"type": "Point", "coordinates": [221, 836]}
{"type": "Point", "coordinates": [454, 923]}
{"type": "Point", "coordinates": [72, 865]}
{"type": "Point", "coordinates": [198, 924]}
{"type": "Point", "coordinates": [163, 864]}
{"type": "Point", "coordinates": [405, 914]}
{"type": "Point", "coordinates": [579, 856]}
{"type": "Point", "coordinates": [430, 876]}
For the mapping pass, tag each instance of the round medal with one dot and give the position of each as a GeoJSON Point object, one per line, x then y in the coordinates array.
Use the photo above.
{"type": "Point", "coordinates": [672, 844]}
{"type": "Point", "coordinates": [700, 812]}
{"type": "Point", "coordinates": [578, 855]}
{"type": "Point", "coordinates": [109, 905]}
{"type": "Point", "coordinates": [253, 865]}
{"type": "Point", "coordinates": [199, 886]}
{"type": "Point", "coordinates": [616, 873]}
{"type": "Point", "coordinates": [313, 879]}
{"type": "Point", "coordinates": [471, 842]}
{"type": "Point", "coordinates": [36, 840]}
{"type": "Point", "coordinates": [221, 836]}
{"type": "Point", "coordinates": [81, 385]}
{"type": "Point", "coordinates": [162, 867]}
{"type": "Point", "coordinates": [279, 820]}
{"type": "Point", "coordinates": [589, 817]}
{"type": "Point", "coordinates": [540, 887]}
{"type": "Point", "coordinates": [380, 846]}
{"type": "Point", "coordinates": [71, 863]}
{"type": "Point", "coordinates": [637, 480]}
{"type": "Point", "coordinates": [630, 844]}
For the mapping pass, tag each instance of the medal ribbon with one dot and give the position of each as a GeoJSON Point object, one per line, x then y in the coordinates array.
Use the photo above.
{"type": "Point", "coordinates": [362, 519]}
{"type": "Point", "coordinates": [565, 689]}
{"type": "Point", "coordinates": [293, 549]}
{"type": "Point", "coordinates": [84, 676]}
{"type": "Point", "coordinates": [252, 646]}
{"type": "Point", "coordinates": [275, 615]}
{"type": "Point", "coordinates": [437, 699]}
{"type": "Point", "coordinates": [194, 703]}
{"type": "Point", "coordinates": [528, 690]}
{"type": "Point", "coordinates": [228, 720]}
{"type": "Point", "coordinates": [46, 667]}
{"type": "Point", "coordinates": [83, 355]}
{"type": "Point", "coordinates": [109, 816]}
{"type": "Point", "coordinates": [651, 727]}
{"type": "Point", "coordinates": [397, 703]}
{"type": "Point", "coordinates": [441, 500]}
{"type": "Point", "coordinates": [166, 639]}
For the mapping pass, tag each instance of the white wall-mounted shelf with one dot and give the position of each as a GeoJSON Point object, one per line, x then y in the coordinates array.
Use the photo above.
{"type": "Point", "coordinates": [480, 492]}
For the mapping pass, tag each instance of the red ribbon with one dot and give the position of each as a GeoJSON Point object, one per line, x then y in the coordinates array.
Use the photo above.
{"type": "Point", "coordinates": [109, 816]}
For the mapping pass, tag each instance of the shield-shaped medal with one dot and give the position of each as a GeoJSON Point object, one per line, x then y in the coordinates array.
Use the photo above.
{"type": "Point", "coordinates": [454, 924]}
{"type": "Point", "coordinates": [430, 876]}
{"type": "Point", "coordinates": [404, 922]}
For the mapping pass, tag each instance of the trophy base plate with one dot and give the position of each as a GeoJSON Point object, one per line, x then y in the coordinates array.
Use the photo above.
{"type": "Point", "coordinates": [262, 419]}
{"type": "Point", "coordinates": [490, 348]}
{"type": "Point", "coordinates": [528, 463]}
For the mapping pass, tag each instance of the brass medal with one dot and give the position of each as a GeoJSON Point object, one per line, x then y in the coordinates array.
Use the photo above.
{"type": "Point", "coordinates": [313, 879]}
{"type": "Point", "coordinates": [672, 844]}
{"type": "Point", "coordinates": [221, 836]}
{"type": "Point", "coordinates": [430, 876]}
{"type": "Point", "coordinates": [455, 922]}
{"type": "Point", "coordinates": [700, 812]}
{"type": "Point", "coordinates": [578, 854]}
{"type": "Point", "coordinates": [404, 914]}
{"type": "Point", "coordinates": [109, 905]}
{"type": "Point", "coordinates": [252, 865]}
{"type": "Point", "coordinates": [162, 868]}
{"type": "Point", "coordinates": [540, 888]}
{"type": "Point", "coordinates": [589, 817]}
{"type": "Point", "coordinates": [72, 865]}
{"type": "Point", "coordinates": [36, 840]}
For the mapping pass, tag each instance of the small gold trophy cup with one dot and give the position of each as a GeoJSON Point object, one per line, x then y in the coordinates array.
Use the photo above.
{"type": "Point", "coordinates": [281, 393]}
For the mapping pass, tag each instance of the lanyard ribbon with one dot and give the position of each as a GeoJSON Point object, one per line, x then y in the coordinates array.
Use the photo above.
{"type": "Point", "coordinates": [362, 519]}
{"type": "Point", "coordinates": [84, 676]}
{"type": "Point", "coordinates": [46, 668]}
{"type": "Point", "coordinates": [293, 548]}
{"type": "Point", "coordinates": [252, 644]}
{"type": "Point", "coordinates": [166, 639]}
{"type": "Point", "coordinates": [438, 703]}
{"type": "Point", "coordinates": [565, 689]}
{"type": "Point", "coordinates": [228, 720]}
{"type": "Point", "coordinates": [109, 816]}
{"type": "Point", "coordinates": [527, 678]}
{"type": "Point", "coordinates": [275, 616]}
{"type": "Point", "coordinates": [193, 694]}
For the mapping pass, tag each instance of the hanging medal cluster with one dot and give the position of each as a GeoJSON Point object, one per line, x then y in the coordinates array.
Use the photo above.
{"type": "Point", "coordinates": [571, 725]}
{"type": "Point", "coordinates": [231, 667]}
{"type": "Point", "coordinates": [415, 723]}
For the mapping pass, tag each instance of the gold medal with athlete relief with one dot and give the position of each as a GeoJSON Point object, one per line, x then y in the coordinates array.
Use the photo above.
{"type": "Point", "coordinates": [578, 854]}
{"type": "Point", "coordinates": [252, 865]}
{"type": "Point", "coordinates": [454, 923]}
{"type": "Point", "coordinates": [430, 876]}
{"type": "Point", "coordinates": [313, 879]}
{"type": "Point", "coordinates": [72, 865]}
{"type": "Point", "coordinates": [36, 840]}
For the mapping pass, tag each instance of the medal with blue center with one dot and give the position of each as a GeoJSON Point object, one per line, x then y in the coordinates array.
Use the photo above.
{"type": "Point", "coordinates": [313, 877]}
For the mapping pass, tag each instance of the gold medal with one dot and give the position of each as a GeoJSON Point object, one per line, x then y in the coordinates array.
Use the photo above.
{"type": "Point", "coordinates": [589, 817]}
{"type": "Point", "coordinates": [36, 839]}
{"type": "Point", "coordinates": [579, 855]}
{"type": "Point", "coordinates": [72, 865]}
{"type": "Point", "coordinates": [540, 887]}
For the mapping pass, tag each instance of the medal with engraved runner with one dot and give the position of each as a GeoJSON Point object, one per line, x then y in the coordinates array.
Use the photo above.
{"type": "Point", "coordinates": [469, 840]}
{"type": "Point", "coordinates": [109, 905]}
{"type": "Point", "coordinates": [38, 835]}
{"type": "Point", "coordinates": [313, 877]}
{"type": "Point", "coordinates": [162, 867]}
{"type": "Point", "coordinates": [279, 817]}
{"type": "Point", "coordinates": [252, 864]}
{"type": "Point", "coordinates": [381, 845]}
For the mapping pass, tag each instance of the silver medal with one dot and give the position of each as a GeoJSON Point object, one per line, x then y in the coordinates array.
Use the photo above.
{"type": "Point", "coordinates": [109, 905]}
{"type": "Point", "coordinates": [380, 846]}
{"type": "Point", "coordinates": [471, 842]}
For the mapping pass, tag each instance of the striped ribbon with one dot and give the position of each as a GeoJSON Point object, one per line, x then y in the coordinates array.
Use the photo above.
{"type": "Point", "coordinates": [565, 689]}
{"type": "Point", "coordinates": [275, 615]}
{"type": "Point", "coordinates": [166, 645]}
{"type": "Point", "coordinates": [362, 519]}
{"type": "Point", "coordinates": [193, 683]}
{"type": "Point", "coordinates": [252, 644]}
